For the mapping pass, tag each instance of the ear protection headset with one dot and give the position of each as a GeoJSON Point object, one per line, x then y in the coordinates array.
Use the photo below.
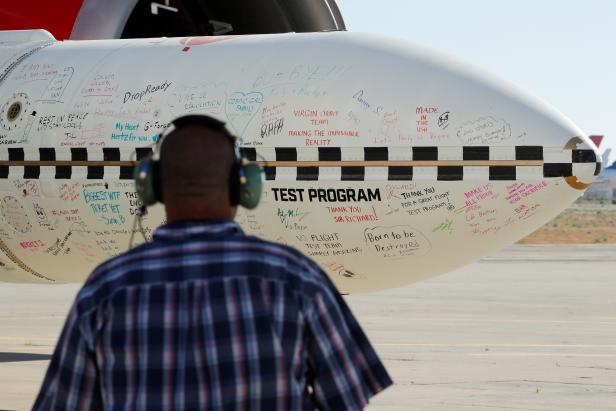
{"type": "Point", "coordinates": [245, 176]}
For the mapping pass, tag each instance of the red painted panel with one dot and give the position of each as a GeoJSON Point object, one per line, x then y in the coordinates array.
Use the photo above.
{"type": "Point", "coordinates": [597, 140]}
{"type": "Point", "coordinates": [57, 17]}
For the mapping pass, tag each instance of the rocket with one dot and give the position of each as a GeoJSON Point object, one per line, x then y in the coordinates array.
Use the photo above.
{"type": "Point", "coordinates": [384, 161]}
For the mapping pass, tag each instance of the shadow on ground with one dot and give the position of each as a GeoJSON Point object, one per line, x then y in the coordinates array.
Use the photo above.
{"type": "Point", "coordinates": [22, 356]}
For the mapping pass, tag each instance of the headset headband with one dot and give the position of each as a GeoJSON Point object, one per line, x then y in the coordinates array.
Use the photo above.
{"type": "Point", "coordinates": [193, 120]}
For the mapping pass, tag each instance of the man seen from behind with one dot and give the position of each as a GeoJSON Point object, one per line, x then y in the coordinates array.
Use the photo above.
{"type": "Point", "coordinates": [205, 317]}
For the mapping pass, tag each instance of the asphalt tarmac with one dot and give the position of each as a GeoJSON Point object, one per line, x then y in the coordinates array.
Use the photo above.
{"type": "Point", "coordinates": [532, 328]}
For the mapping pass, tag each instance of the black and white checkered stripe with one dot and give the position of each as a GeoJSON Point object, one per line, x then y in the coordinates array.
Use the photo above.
{"type": "Point", "coordinates": [93, 172]}
{"type": "Point", "coordinates": [556, 162]}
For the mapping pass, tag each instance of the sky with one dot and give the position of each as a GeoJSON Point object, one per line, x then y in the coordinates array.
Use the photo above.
{"type": "Point", "coordinates": [563, 51]}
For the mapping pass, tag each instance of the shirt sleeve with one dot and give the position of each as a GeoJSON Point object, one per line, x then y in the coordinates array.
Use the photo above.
{"type": "Point", "coordinates": [345, 369]}
{"type": "Point", "coordinates": [72, 381]}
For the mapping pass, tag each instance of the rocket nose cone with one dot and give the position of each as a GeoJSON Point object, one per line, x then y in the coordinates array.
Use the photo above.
{"type": "Point", "coordinates": [585, 162]}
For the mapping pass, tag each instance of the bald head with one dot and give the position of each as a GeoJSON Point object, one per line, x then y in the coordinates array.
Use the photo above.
{"type": "Point", "coordinates": [195, 165]}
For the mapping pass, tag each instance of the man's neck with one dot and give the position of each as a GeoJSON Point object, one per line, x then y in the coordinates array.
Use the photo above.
{"type": "Point", "coordinates": [182, 211]}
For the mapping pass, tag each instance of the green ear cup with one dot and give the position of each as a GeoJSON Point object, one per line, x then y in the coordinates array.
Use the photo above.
{"type": "Point", "coordinates": [250, 187]}
{"type": "Point", "coordinates": [144, 182]}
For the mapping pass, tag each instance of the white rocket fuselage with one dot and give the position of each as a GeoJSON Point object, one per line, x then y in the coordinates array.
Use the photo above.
{"type": "Point", "coordinates": [384, 161]}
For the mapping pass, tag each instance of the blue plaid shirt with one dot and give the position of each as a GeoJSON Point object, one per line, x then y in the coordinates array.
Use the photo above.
{"type": "Point", "coordinates": [207, 318]}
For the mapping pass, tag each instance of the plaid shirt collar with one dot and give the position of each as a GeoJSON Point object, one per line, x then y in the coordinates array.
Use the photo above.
{"type": "Point", "coordinates": [215, 228]}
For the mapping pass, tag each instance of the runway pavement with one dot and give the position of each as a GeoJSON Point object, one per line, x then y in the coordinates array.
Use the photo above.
{"type": "Point", "coordinates": [533, 328]}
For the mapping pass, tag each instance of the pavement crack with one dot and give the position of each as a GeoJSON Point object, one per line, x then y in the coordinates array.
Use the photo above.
{"type": "Point", "coordinates": [399, 359]}
{"type": "Point", "coordinates": [509, 381]}
{"type": "Point", "coordinates": [591, 367]}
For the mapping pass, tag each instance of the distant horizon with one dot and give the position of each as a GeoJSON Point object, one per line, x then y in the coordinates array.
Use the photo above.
{"type": "Point", "coordinates": [562, 51]}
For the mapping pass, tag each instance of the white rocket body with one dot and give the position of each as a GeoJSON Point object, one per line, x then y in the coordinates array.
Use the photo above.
{"type": "Point", "coordinates": [385, 162]}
